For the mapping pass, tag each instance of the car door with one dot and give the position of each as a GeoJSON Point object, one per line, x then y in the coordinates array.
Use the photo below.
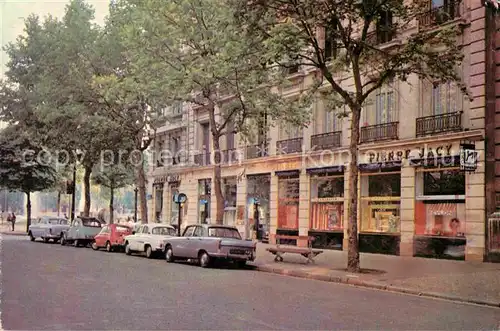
{"type": "Point", "coordinates": [183, 243]}
{"type": "Point", "coordinates": [134, 239]}
{"type": "Point", "coordinates": [74, 229]}
{"type": "Point", "coordinates": [146, 231]}
{"type": "Point", "coordinates": [35, 228]}
{"type": "Point", "coordinates": [196, 242]}
{"type": "Point", "coordinates": [101, 237]}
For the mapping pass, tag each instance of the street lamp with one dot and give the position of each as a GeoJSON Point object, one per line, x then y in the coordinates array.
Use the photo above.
{"type": "Point", "coordinates": [136, 190]}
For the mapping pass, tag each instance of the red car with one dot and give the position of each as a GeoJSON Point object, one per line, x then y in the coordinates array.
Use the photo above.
{"type": "Point", "coordinates": [111, 237]}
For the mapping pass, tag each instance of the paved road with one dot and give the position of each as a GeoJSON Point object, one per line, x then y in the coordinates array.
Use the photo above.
{"type": "Point", "coordinates": [50, 287]}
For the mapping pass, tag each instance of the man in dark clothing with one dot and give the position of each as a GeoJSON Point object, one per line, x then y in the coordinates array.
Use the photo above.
{"type": "Point", "coordinates": [13, 220]}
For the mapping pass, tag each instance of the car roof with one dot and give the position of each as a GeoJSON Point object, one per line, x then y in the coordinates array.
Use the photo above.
{"type": "Point", "coordinates": [215, 226]}
{"type": "Point", "coordinates": [161, 226]}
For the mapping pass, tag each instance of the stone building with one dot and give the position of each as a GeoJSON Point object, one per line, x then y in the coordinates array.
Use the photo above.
{"type": "Point", "coordinates": [414, 198]}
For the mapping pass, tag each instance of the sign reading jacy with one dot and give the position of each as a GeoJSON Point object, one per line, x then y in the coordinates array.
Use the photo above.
{"type": "Point", "coordinates": [426, 152]}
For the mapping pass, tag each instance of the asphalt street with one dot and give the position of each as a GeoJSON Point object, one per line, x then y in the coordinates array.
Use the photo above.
{"type": "Point", "coordinates": [51, 287]}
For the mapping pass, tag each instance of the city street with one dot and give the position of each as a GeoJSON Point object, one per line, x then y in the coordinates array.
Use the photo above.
{"type": "Point", "coordinates": [51, 287]}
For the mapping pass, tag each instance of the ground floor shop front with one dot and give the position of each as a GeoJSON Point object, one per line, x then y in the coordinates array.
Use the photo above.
{"type": "Point", "coordinates": [413, 201]}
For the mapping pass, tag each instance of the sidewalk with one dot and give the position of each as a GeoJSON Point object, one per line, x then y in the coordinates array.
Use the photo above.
{"type": "Point", "coordinates": [475, 282]}
{"type": "Point", "coordinates": [19, 229]}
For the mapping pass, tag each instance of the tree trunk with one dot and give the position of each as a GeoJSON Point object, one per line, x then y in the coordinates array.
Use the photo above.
{"type": "Point", "coordinates": [219, 197]}
{"type": "Point", "coordinates": [111, 202]}
{"type": "Point", "coordinates": [28, 211]}
{"type": "Point", "coordinates": [86, 186]}
{"type": "Point", "coordinates": [58, 203]}
{"type": "Point", "coordinates": [141, 185]}
{"type": "Point", "coordinates": [352, 202]}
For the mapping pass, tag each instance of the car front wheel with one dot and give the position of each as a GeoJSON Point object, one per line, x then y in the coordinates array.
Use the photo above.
{"type": "Point", "coordinates": [94, 246]}
{"type": "Point", "coordinates": [149, 252]}
{"type": "Point", "coordinates": [31, 236]}
{"type": "Point", "coordinates": [108, 247]}
{"type": "Point", "coordinates": [127, 249]}
{"type": "Point", "coordinates": [169, 255]}
{"type": "Point", "coordinates": [63, 240]}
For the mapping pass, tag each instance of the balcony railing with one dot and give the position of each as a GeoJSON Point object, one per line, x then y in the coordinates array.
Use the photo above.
{"type": "Point", "coordinates": [229, 156]}
{"type": "Point", "coordinates": [202, 159]}
{"type": "Point", "coordinates": [256, 151]}
{"type": "Point", "coordinates": [379, 37]}
{"type": "Point", "coordinates": [440, 15]}
{"type": "Point", "coordinates": [289, 146]}
{"type": "Point", "coordinates": [439, 123]}
{"type": "Point", "coordinates": [327, 140]}
{"type": "Point", "coordinates": [386, 131]}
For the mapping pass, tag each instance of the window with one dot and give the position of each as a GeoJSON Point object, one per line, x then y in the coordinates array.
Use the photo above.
{"type": "Point", "coordinates": [443, 99]}
{"type": "Point", "coordinates": [381, 108]}
{"type": "Point", "coordinates": [230, 135]}
{"type": "Point", "coordinates": [189, 231]}
{"type": "Point", "coordinates": [288, 202]}
{"type": "Point", "coordinates": [122, 229]}
{"type": "Point", "coordinates": [204, 200]}
{"type": "Point", "coordinates": [384, 27]}
{"type": "Point", "coordinates": [139, 230]}
{"type": "Point", "coordinates": [91, 223]}
{"type": "Point", "coordinates": [380, 202]}
{"type": "Point", "coordinates": [198, 232]}
{"type": "Point", "coordinates": [289, 131]}
{"type": "Point", "coordinates": [145, 230]}
{"type": "Point", "coordinates": [327, 202]}
{"type": "Point", "coordinates": [177, 109]}
{"type": "Point", "coordinates": [221, 232]}
{"type": "Point", "coordinates": [163, 230]}
{"type": "Point", "coordinates": [440, 203]}
{"type": "Point", "coordinates": [331, 36]}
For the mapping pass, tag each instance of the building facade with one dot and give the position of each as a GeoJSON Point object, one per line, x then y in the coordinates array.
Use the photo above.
{"type": "Point", "coordinates": [415, 199]}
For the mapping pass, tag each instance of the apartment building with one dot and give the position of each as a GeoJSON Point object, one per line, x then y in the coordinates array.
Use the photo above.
{"type": "Point", "coordinates": [415, 197]}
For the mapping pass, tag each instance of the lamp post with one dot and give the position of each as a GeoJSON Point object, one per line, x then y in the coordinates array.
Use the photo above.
{"type": "Point", "coordinates": [136, 190]}
{"type": "Point", "coordinates": [73, 194]}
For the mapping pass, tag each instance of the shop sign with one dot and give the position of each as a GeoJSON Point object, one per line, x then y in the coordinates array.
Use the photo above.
{"type": "Point", "coordinates": [468, 157]}
{"type": "Point", "coordinates": [421, 153]}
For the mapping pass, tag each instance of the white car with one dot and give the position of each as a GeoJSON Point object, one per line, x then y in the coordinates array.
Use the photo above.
{"type": "Point", "coordinates": [48, 228]}
{"type": "Point", "coordinates": [149, 239]}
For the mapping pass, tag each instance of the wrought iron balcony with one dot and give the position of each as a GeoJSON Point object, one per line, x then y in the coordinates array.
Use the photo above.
{"type": "Point", "coordinates": [386, 131]}
{"type": "Point", "coordinates": [439, 123]}
{"type": "Point", "coordinates": [327, 140]}
{"type": "Point", "coordinates": [202, 159]}
{"type": "Point", "coordinates": [256, 151]}
{"type": "Point", "coordinates": [230, 156]}
{"type": "Point", "coordinates": [289, 146]}
{"type": "Point", "coordinates": [440, 15]}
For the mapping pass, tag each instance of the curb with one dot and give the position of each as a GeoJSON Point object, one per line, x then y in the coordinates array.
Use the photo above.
{"type": "Point", "coordinates": [13, 233]}
{"type": "Point", "coordinates": [373, 285]}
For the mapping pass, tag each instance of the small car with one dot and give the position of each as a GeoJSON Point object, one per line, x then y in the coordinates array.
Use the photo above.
{"type": "Point", "coordinates": [48, 228]}
{"type": "Point", "coordinates": [207, 243]}
{"type": "Point", "coordinates": [111, 237]}
{"type": "Point", "coordinates": [82, 231]}
{"type": "Point", "coordinates": [149, 239]}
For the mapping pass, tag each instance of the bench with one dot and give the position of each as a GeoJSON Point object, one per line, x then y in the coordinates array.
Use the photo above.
{"type": "Point", "coordinates": [308, 252]}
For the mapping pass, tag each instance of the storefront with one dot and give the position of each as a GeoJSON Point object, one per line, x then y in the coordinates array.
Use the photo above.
{"type": "Point", "coordinates": [327, 207]}
{"type": "Point", "coordinates": [173, 211]}
{"type": "Point", "coordinates": [204, 195]}
{"type": "Point", "coordinates": [230, 193]}
{"type": "Point", "coordinates": [258, 213]}
{"type": "Point", "coordinates": [380, 198]}
{"type": "Point", "coordinates": [288, 204]}
{"type": "Point", "coordinates": [440, 212]}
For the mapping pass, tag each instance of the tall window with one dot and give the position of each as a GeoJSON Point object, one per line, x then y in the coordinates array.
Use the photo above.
{"type": "Point", "coordinates": [443, 99]}
{"type": "Point", "coordinates": [289, 131]}
{"type": "Point", "coordinates": [326, 119]}
{"type": "Point", "coordinates": [382, 107]}
{"type": "Point", "coordinates": [204, 194]}
{"type": "Point", "coordinates": [331, 48]}
{"type": "Point", "coordinates": [230, 194]}
{"type": "Point", "coordinates": [230, 135]}
{"type": "Point", "coordinates": [384, 27]}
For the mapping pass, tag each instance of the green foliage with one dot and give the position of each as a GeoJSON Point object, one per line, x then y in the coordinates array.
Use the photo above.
{"type": "Point", "coordinates": [114, 176]}
{"type": "Point", "coordinates": [21, 168]}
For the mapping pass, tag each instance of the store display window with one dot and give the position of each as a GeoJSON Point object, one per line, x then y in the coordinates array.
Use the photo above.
{"type": "Point", "coordinates": [230, 194]}
{"type": "Point", "coordinates": [288, 202]}
{"type": "Point", "coordinates": [440, 203]}
{"type": "Point", "coordinates": [204, 193]}
{"type": "Point", "coordinates": [380, 202]}
{"type": "Point", "coordinates": [327, 202]}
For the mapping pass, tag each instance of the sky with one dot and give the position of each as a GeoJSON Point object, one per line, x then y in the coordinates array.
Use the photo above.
{"type": "Point", "coordinates": [13, 13]}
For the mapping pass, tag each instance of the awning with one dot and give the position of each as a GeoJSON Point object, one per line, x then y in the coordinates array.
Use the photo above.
{"type": "Point", "coordinates": [325, 170]}
{"type": "Point", "coordinates": [287, 173]}
{"type": "Point", "coordinates": [386, 166]}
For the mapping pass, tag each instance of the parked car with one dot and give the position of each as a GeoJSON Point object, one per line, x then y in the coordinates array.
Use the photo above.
{"type": "Point", "coordinates": [149, 239]}
{"type": "Point", "coordinates": [111, 237]}
{"type": "Point", "coordinates": [82, 231]}
{"type": "Point", "coordinates": [207, 243]}
{"type": "Point", "coordinates": [47, 228]}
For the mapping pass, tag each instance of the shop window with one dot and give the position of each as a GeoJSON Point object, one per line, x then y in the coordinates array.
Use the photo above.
{"type": "Point", "coordinates": [174, 207]}
{"type": "Point", "coordinates": [380, 202]}
{"type": "Point", "coordinates": [258, 213]}
{"type": "Point", "coordinates": [288, 203]}
{"type": "Point", "coordinates": [327, 203]}
{"type": "Point", "coordinates": [230, 193]}
{"type": "Point", "coordinates": [158, 202]}
{"type": "Point", "coordinates": [204, 192]}
{"type": "Point", "coordinates": [440, 203]}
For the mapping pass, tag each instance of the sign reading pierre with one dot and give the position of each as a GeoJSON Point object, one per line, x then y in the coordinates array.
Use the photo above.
{"type": "Point", "coordinates": [419, 153]}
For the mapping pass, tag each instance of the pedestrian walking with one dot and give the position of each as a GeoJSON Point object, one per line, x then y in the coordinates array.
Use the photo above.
{"type": "Point", "coordinates": [13, 220]}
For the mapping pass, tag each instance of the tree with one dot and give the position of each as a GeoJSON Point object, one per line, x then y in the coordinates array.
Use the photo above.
{"type": "Point", "coordinates": [113, 177]}
{"type": "Point", "coordinates": [22, 168]}
{"type": "Point", "coordinates": [354, 29]}
{"type": "Point", "coordinates": [186, 51]}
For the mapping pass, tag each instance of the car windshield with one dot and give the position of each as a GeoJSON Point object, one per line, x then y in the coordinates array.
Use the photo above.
{"type": "Point", "coordinates": [223, 233]}
{"type": "Point", "coordinates": [122, 229]}
{"type": "Point", "coordinates": [91, 223]}
{"type": "Point", "coordinates": [163, 230]}
{"type": "Point", "coordinates": [58, 221]}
